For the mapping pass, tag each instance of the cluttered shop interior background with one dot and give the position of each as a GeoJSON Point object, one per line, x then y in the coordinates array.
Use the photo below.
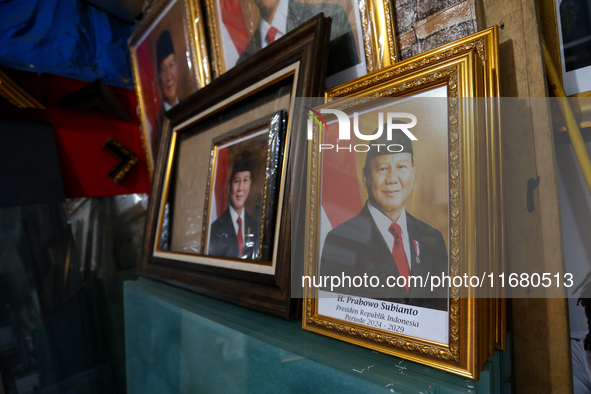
{"type": "Point", "coordinates": [76, 184]}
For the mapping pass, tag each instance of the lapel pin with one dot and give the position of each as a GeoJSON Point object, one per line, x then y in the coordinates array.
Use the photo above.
{"type": "Point", "coordinates": [417, 251]}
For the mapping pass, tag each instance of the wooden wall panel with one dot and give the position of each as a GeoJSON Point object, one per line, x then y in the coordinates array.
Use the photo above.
{"type": "Point", "coordinates": [534, 239]}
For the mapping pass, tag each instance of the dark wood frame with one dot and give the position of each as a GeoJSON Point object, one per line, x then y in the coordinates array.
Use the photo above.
{"type": "Point", "coordinates": [308, 45]}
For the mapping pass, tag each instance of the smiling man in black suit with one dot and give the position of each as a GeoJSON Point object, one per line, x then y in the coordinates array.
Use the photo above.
{"type": "Point", "coordinates": [384, 240]}
{"type": "Point", "coordinates": [235, 233]}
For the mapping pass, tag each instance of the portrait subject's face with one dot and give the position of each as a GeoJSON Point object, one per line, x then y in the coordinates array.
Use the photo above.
{"type": "Point", "coordinates": [169, 79]}
{"type": "Point", "coordinates": [390, 182]}
{"type": "Point", "coordinates": [239, 189]}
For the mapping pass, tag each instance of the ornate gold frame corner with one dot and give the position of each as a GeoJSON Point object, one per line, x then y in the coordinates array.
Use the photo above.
{"type": "Point", "coordinates": [377, 24]}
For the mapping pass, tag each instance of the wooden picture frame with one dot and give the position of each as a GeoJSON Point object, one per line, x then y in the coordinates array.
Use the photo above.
{"type": "Point", "coordinates": [369, 27]}
{"type": "Point", "coordinates": [466, 69]}
{"type": "Point", "coordinates": [172, 27]}
{"type": "Point", "coordinates": [258, 148]}
{"type": "Point", "coordinates": [262, 85]}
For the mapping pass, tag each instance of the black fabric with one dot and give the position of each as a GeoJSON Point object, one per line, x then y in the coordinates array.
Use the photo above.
{"type": "Point", "coordinates": [30, 167]}
{"type": "Point", "coordinates": [244, 162]}
{"type": "Point", "coordinates": [164, 47]}
{"type": "Point", "coordinates": [398, 137]}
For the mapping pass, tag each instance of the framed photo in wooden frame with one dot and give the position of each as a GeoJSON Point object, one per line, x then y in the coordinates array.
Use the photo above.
{"type": "Point", "coordinates": [243, 177]}
{"type": "Point", "coordinates": [170, 62]}
{"type": "Point", "coordinates": [437, 189]}
{"type": "Point", "coordinates": [231, 117]}
{"type": "Point", "coordinates": [362, 35]}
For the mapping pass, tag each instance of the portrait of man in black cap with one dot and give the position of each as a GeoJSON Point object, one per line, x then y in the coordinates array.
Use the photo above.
{"type": "Point", "coordinates": [168, 80]}
{"type": "Point", "coordinates": [384, 239]}
{"type": "Point", "coordinates": [236, 233]}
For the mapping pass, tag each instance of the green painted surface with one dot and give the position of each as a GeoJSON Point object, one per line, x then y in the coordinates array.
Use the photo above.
{"type": "Point", "coordinates": [181, 342]}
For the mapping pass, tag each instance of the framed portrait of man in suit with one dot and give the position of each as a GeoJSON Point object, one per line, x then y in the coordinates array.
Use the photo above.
{"type": "Point", "coordinates": [384, 211]}
{"type": "Point", "coordinates": [242, 188]}
{"type": "Point", "coordinates": [170, 63]}
{"type": "Point", "coordinates": [219, 216]}
{"type": "Point", "coordinates": [399, 188]}
{"type": "Point", "coordinates": [358, 43]}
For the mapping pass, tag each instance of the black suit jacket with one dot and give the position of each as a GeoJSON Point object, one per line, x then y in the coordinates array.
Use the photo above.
{"type": "Point", "coordinates": [357, 247]}
{"type": "Point", "coordinates": [223, 240]}
{"type": "Point", "coordinates": [342, 52]}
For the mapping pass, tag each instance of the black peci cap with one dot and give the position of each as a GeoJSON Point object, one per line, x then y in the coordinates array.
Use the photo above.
{"type": "Point", "coordinates": [243, 162]}
{"type": "Point", "coordinates": [398, 137]}
{"type": "Point", "coordinates": [164, 47]}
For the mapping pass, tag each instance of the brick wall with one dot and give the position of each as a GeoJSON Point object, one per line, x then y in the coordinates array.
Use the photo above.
{"type": "Point", "coordinates": [422, 25]}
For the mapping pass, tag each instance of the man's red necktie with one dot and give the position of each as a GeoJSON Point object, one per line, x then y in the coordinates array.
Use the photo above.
{"type": "Point", "coordinates": [271, 33]}
{"type": "Point", "coordinates": [398, 252]}
{"type": "Point", "coordinates": [240, 240]}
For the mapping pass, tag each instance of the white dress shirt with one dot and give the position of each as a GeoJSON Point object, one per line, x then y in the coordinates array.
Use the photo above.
{"type": "Point", "coordinates": [167, 106]}
{"type": "Point", "coordinates": [279, 22]}
{"type": "Point", "coordinates": [383, 223]}
{"type": "Point", "coordinates": [235, 220]}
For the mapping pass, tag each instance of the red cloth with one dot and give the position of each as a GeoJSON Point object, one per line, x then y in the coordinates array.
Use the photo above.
{"type": "Point", "coordinates": [149, 83]}
{"type": "Point", "coordinates": [398, 253]}
{"type": "Point", "coordinates": [232, 18]}
{"type": "Point", "coordinates": [340, 188]}
{"type": "Point", "coordinates": [220, 182]}
{"type": "Point", "coordinates": [80, 136]}
{"type": "Point", "coordinates": [239, 236]}
{"type": "Point", "coordinates": [271, 34]}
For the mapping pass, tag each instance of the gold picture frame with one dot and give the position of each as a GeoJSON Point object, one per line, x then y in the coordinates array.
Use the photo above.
{"type": "Point", "coordinates": [184, 20]}
{"type": "Point", "coordinates": [486, 45]}
{"type": "Point", "coordinates": [467, 68]}
{"type": "Point", "coordinates": [372, 26]}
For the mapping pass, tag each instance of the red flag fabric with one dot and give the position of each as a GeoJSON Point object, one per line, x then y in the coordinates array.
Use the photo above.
{"type": "Point", "coordinates": [220, 181]}
{"type": "Point", "coordinates": [80, 136]}
{"type": "Point", "coordinates": [232, 18]}
{"type": "Point", "coordinates": [340, 187]}
{"type": "Point", "coordinates": [148, 81]}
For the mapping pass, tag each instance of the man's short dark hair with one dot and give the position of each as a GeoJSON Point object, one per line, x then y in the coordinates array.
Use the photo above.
{"type": "Point", "coordinates": [164, 47]}
{"type": "Point", "coordinates": [398, 137]}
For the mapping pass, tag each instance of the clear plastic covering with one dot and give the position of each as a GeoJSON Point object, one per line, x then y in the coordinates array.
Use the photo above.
{"type": "Point", "coordinates": [243, 183]}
